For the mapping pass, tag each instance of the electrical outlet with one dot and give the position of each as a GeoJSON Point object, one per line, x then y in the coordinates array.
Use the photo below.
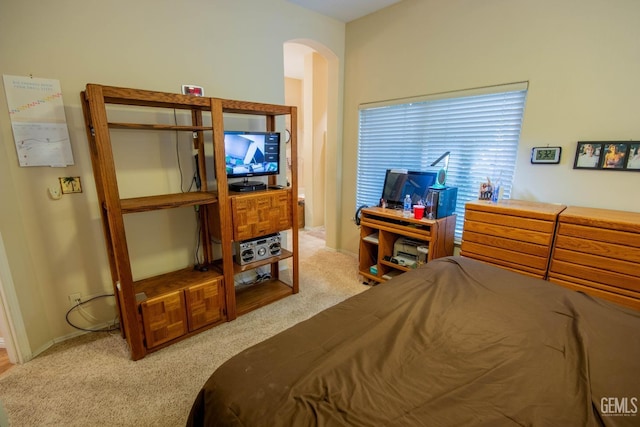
{"type": "Point", "coordinates": [75, 298]}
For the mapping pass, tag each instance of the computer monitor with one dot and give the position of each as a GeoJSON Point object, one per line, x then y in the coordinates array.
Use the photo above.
{"type": "Point", "coordinates": [398, 183]}
{"type": "Point", "coordinates": [249, 154]}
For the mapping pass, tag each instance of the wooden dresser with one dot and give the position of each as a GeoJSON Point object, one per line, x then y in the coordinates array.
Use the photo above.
{"type": "Point", "coordinates": [513, 234]}
{"type": "Point", "coordinates": [598, 251]}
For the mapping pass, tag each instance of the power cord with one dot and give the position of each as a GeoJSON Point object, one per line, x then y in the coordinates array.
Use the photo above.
{"type": "Point", "coordinates": [260, 277]}
{"type": "Point", "coordinates": [79, 305]}
{"type": "Point", "coordinates": [358, 214]}
{"type": "Point", "coordinates": [196, 252]}
{"type": "Point", "coordinates": [194, 177]}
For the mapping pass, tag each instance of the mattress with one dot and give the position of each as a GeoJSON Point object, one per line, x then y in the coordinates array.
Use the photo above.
{"type": "Point", "coordinates": [455, 342]}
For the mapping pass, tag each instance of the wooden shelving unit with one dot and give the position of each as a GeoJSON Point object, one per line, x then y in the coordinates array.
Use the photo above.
{"type": "Point", "coordinates": [229, 225]}
{"type": "Point", "coordinates": [253, 215]}
{"type": "Point", "coordinates": [160, 310]}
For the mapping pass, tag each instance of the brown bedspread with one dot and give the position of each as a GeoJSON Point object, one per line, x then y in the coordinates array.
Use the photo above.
{"type": "Point", "coordinates": [455, 343]}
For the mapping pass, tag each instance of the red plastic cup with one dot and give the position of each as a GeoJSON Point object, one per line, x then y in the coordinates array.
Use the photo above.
{"type": "Point", "coordinates": [418, 211]}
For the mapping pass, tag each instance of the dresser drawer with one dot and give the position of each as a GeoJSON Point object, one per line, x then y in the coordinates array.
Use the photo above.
{"type": "Point", "coordinates": [597, 251]}
{"type": "Point", "coordinates": [595, 274]}
{"type": "Point", "coordinates": [608, 254]}
{"type": "Point", "coordinates": [512, 234]}
{"type": "Point", "coordinates": [601, 291]}
{"type": "Point", "coordinates": [510, 221]}
{"type": "Point", "coordinates": [601, 240]}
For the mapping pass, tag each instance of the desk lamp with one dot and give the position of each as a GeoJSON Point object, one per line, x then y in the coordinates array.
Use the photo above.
{"type": "Point", "coordinates": [442, 173]}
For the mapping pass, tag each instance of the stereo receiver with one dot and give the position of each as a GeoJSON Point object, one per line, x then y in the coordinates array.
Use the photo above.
{"type": "Point", "coordinates": [258, 249]}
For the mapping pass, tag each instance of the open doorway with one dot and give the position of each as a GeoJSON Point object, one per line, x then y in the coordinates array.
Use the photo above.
{"type": "Point", "coordinates": [8, 351]}
{"type": "Point", "coordinates": [307, 87]}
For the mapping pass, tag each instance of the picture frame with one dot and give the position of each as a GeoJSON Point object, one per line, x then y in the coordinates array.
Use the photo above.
{"type": "Point", "coordinates": [633, 157]}
{"type": "Point", "coordinates": [614, 155]}
{"type": "Point", "coordinates": [70, 184]}
{"type": "Point", "coordinates": [546, 155]}
{"type": "Point", "coordinates": [608, 155]}
{"type": "Point", "coordinates": [588, 155]}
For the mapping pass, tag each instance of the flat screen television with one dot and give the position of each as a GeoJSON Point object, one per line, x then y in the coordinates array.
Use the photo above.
{"type": "Point", "coordinates": [399, 182]}
{"type": "Point", "coordinates": [249, 154]}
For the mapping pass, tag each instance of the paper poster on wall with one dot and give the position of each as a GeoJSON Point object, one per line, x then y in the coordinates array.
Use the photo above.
{"type": "Point", "coordinates": [38, 121]}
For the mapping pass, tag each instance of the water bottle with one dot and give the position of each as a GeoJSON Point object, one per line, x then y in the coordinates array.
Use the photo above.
{"type": "Point", "coordinates": [406, 212]}
{"type": "Point", "coordinates": [497, 188]}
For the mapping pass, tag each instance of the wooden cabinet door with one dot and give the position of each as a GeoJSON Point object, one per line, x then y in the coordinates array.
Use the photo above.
{"type": "Point", "coordinates": [204, 304]}
{"type": "Point", "coordinates": [260, 214]}
{"type": "Point", "coordinates": [164, 318]}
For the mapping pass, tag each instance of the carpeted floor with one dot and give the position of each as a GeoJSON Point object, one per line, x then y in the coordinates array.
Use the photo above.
{"type": "Point", "coordinates": [90, 380]}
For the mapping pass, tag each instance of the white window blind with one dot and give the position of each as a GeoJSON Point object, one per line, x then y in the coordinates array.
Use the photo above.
{"type": "Point", "coordinates": [480, 130]}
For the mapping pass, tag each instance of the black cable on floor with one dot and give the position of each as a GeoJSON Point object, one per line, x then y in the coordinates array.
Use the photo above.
{"type": "Point", "coordinates": [111, 329]}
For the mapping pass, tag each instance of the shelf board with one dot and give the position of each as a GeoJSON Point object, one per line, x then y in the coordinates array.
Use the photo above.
{"type": "Point", "coordinates": [396, 266]}
{"type": "Point", "coordinates": [167, 201]}
{"type": "Point", "coordinates": [372, 238]}
{"type": "Point", "coordinates": [245, 107]}
{"type": "Point", "coordinates": [148, 98]}
{"type": "Point", "coordinates": [284, 254]}
{"type": "Point", "coordinates": [370, 276]}
{"type": "Point", "coordinates": [255, 296]}
{"type": "Point", "coordinates": [142, 126]}
{"type": "Point", "coordinates": [174, 280]}
{"type": "Point", "coordinates": [237, 268]}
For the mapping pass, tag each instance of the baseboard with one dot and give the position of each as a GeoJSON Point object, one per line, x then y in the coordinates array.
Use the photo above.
{"type": "Point", "coordinates": [2, 344]}
{"type": "Point", "coordinates": [38, 351]}
{"type": "Point", "coordinates": [68, 336]}
{"type": "Point", "coordinates": [63, 338]}
{"type": "Point", "coordinates": [104, 325]}
{"type": "Point", "coordinates": [46, 346]}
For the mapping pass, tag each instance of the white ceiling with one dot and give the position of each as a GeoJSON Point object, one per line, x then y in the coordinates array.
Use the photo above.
{"type": "Point", "coordinates": [344, 10]}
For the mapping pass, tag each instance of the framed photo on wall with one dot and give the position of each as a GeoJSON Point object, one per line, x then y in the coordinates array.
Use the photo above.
{"type": "Point", "coordinates": [588, 155]}
{"type": "Point", "coordinates": [633, 158]}
{"type": "Point", "coordinates": [608, 155]}
{"type": "Point", "coordinates": [615, 155]}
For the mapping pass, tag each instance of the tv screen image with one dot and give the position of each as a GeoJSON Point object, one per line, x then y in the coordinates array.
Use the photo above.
{"type": "Point", "coordinates": [399, 183]}
{"type": "Point", "coordinates": [251, 153]}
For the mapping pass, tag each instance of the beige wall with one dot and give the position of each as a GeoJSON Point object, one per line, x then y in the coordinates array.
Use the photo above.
{"type": "Point", "coordinates": [232, 48]}
{"type": "Point", "coordinates": [311, 96]}
{"type": "Point", "coordinates": [314, 149]}
{"type": "Point", "coordinates": [294, 95]}
{"type": "Point", "coordinates": [579, 56]}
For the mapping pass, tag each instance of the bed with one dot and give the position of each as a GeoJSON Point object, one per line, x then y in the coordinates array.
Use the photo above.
{"type": "Point", "coordinates": [455, 342]}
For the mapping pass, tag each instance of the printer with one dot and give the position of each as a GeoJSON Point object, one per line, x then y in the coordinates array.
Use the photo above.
{"type": "Point", "coordinates": [409, 253]}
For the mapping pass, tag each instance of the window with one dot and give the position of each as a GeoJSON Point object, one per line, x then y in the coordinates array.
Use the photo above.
{"type": "Point", "coordinates": [480, 128]}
